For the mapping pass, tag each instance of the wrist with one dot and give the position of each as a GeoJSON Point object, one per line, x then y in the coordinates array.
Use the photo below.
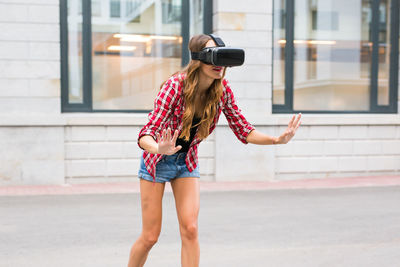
{"type": "Point", "coordinates": [156, 149]}
{"type": "Point", "coordinates": [275, 141]}
{"type": "Point", "coordinates": [153, 149]}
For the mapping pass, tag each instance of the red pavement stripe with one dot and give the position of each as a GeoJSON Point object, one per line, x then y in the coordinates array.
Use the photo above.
{"type": "Point", "coordinates": [133, 187]}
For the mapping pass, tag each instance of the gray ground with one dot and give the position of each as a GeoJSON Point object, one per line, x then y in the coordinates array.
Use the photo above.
{"type": "Point", "coordinates": [324, 227]}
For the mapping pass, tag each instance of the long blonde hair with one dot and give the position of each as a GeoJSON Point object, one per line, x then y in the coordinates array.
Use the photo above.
{"type": "Point", "coordinates": [191, 81]}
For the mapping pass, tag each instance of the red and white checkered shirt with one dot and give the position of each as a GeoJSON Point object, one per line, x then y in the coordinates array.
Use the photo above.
{"type": "Point", "coordinates": [168, 113]}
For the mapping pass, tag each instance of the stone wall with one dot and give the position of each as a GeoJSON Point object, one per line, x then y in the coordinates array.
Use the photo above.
{"type": "Point", "coordinates": [109, 153]}
{"type": "Point", "coordinates": [340, 151]}
{"type": "Point", "coordinates": [31, 152]}
{"type": "Point", "coordinates": [29, 57]}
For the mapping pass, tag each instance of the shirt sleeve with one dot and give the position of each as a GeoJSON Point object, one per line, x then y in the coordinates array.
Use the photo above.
{"type": "Point", "coordinates": [163, 108]}
{"type": "Point", "coordinates": [237, 122]}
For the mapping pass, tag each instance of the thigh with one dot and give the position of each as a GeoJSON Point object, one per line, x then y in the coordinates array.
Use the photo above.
{"type": "Point", "coordinates": [187, 199]}
{"type": "Point", "coordinates": [151, 202]}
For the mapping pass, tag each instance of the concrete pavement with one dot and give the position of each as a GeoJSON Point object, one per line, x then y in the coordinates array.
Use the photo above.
{"type": "Point", "coordinates": [357, 226]}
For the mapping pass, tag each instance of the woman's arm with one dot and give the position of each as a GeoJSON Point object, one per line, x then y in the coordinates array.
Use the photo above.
{"type": "Point", "coordinates": [258, 138]}
{"type": "Point", "coordinates": [237, 122]}
{"type": "Point", "coordinates": [149, 144]}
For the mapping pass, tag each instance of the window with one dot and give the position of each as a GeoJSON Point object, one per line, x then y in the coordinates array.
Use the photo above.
{"type": "Point", "coordinates": [115, 9]}
{"type": "Point", "coordinates": [333, 56]}
{"type": "Point", "coordinates": [116, 53]}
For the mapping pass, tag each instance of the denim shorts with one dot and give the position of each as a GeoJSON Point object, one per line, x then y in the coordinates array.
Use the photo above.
{"type": "Point", "coordinates": [169, 167]}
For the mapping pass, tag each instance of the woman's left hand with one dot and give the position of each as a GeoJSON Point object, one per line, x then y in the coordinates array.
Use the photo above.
{"type": "Point", "coordinates": [291, 130]}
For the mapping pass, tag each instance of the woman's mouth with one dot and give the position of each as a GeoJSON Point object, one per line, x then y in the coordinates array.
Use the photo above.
{"type": "Point", "coordinates": [217, 69]}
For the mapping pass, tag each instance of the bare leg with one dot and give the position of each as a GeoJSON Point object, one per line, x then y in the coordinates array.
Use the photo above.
{"type": "Point", "coordinates": [187, 201]}
{"type": "Point", "coordinates": [151, 202]}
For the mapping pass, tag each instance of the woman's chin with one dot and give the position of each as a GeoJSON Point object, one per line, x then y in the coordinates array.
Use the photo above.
{"type": "Point", "coordinates": [217, 76]}
{"type": "Point", "coordinates": [214, 74]}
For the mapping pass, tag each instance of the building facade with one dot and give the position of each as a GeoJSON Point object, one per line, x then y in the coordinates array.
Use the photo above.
{"type": "Point", "coordinates": [78, 78]}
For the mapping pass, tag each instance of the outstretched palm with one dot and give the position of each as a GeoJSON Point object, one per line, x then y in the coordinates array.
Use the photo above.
{"type": "Point", "coordinates": [290, 130]}
{"type": "Point", "coordinates": [166, 144]}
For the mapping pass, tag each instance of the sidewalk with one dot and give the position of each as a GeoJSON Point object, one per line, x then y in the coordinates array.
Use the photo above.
{"type": "Point", "coordinates": [133, 187]}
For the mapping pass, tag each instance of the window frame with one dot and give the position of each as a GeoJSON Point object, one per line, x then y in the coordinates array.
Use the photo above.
{"type": "Point", "coordinates": [87, 103]}
{"type": "Point", "coordinates": [393, 69]}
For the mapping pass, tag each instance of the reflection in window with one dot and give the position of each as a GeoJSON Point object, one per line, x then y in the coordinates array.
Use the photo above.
{"type": "Point", "coordinates": [278, 93]}
{"type": "Point", "coordinates": [115, 9]}
{"type": "Point", "coordinates": [332, 52]}
{"type": "Point", "coordinates": [196, 17]}
{"type": "Point", "coordinates": [384, 52]}
{"type": "Point", "coordinates": [134, 53]}
{"type": "Point", "coordinates": [96, 7]}
{"type": "Point", "coordinates": [171, 11]}
{"type": "Point", "coordinates": [75, 79]}
{"type": "Point", "coordinates": [135, 45]}
{"type": "Point", "coordinates": [332, 62]}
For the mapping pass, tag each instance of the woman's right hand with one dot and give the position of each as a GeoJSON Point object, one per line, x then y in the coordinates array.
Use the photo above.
{"type": "Point", "coordinates": [166, 144]}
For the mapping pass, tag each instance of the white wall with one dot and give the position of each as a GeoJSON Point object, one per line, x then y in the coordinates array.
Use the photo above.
{"type": "Point", "coordinates": [29, 57]}
{"type": "Point", "coordinates": [108, 152]}
{"type": "Point", "coordinates": [30, 152]}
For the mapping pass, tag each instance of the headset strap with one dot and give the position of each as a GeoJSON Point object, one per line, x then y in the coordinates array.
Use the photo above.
{"type": "Point", "coordinates": [197, 55]}
{"type": "Point", "coordinates": [217, 40]}
{"type": "Point", "coordinates": [200, 55]}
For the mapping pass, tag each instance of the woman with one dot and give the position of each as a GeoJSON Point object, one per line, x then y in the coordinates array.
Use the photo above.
{"type": "Point", "coordinates": [186, 111]}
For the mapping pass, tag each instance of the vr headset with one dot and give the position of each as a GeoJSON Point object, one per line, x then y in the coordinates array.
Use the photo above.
{"type": "Point", "coordinates": [220, 55]}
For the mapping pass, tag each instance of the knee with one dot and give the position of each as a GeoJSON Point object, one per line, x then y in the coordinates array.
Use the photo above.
{"type": "Point", "coordinates": [150, 239]}
{"type": "Point", "coordinates": [189, 231]}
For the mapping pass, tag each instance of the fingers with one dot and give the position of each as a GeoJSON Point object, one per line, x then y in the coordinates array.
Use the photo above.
{"type": "Point", "coordinates": [293, 125]}
{"type": "Point", "coordinates": [176, 149]}
{"type": "Point", "coordinates": [166, 136]}
{"type": "Point", "coordinates": [176, 133]}
{"type": "Point", "coordinates": [291, 121]}
{"type": "Point", "coordinates": [169, 134]}
{"type": "Point", "coordinates": [298, 125]}
{"type": "Point", "coordinates": [163, 137]}
{"type": "Point", "coordinates": [296, 122]}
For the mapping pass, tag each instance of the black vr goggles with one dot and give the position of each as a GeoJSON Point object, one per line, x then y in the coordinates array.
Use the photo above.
{"type": "Point", "coordinates": [220, 55]}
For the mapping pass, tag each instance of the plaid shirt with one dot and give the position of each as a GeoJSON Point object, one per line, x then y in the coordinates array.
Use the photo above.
{"type": "Point", "coordinates": [168, 113]}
